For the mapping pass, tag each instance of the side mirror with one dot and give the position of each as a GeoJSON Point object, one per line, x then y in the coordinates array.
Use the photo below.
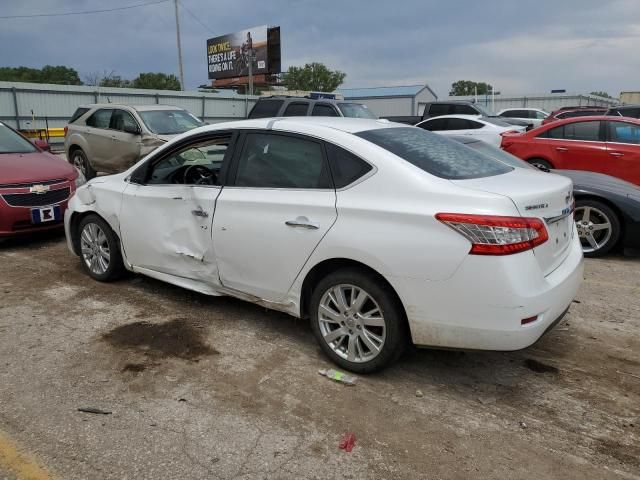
{"type": "Point", "coordinates": [132, 129]}
{"type": "Point", "coordinates": [42, 144]}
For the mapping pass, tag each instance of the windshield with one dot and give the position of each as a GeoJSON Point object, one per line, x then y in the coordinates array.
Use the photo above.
{"type": "Point", "coordinates": [435, 154]}
{"type": "Point", "coordinates": [169, 122]}
{"type": "Point", "coordinates": [499, 154]}
{"type": "Point", "coordinates": [11, 142]}
{"type": "Point", "coordinates": [484, 111]}
{"type": "Point", "coordinates": [355, 110]}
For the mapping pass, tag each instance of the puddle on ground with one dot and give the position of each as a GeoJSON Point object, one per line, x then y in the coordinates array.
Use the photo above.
{"type": "Point", "coordinates": [178, 338]}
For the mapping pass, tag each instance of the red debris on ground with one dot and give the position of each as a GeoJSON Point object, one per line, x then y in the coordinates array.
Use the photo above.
{"type": "Point", "coordinates": [348, 441]}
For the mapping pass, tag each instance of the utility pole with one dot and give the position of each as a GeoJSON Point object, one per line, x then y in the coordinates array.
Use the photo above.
{"type": "Point", "coordinates": [250, 71]}
{"type": "Point", "coordinates": [175, 3]}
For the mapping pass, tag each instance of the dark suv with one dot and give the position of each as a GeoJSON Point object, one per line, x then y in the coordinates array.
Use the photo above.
{"type": "Point", "coordinates": [281, 106]}
{"type": "Point", "coordinates": [632, 111]}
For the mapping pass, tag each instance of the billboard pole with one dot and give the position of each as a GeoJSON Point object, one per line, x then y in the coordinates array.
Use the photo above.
{"type": "Point", "coordinates": [175, 3]}
{"type": "Point", "coordinates": [251, 71]}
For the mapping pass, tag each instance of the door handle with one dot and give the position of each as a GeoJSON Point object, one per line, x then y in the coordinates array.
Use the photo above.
{"type": "Point", "coordinates": [302, 222]}
{"type": "Point", "coordinates": [199, 213]}
{"type": "Point", "coordinates": [616, 154]}
{"type": "Point", "coordinates": [561, 149]}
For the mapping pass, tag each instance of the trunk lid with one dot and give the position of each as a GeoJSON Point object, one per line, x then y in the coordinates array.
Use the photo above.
{"type": "Point", "coordinates": [540, 195]}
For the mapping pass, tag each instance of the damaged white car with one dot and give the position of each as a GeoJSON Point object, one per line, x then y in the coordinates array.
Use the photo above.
{"type": "Point", "coordinates": [381, 234]}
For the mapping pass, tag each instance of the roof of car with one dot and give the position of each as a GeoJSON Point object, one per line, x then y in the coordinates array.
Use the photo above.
{"type": "Point", "coordinates": [139, 108]}
{"type": "Point", "coordinates": [344, 124]}
{"type": "Point", "coordinates": [456, 115]}
{"type": "Point", "coordinates": [586, 118]}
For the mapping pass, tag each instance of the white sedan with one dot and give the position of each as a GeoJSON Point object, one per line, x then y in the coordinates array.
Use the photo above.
{"type": "Point", "coordinates": [533, 115]}
{"type": "Point", "coordinates": [377, 232]}
{"type": "Point", "coordinates": [487, 129]}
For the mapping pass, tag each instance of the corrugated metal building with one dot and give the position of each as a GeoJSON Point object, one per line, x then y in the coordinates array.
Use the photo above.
{"type": "Point", "coordinates": [20, 102]}
{"type": "Point", "coordinates": [629, 97]}
{"type": "Point", "coordinates": [392, 101]}
{"type": "Point", "coordinates": [544, 101]}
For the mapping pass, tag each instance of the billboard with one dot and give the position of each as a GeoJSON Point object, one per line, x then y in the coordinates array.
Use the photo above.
{"type": "Point", "coordinates": [230, 55]}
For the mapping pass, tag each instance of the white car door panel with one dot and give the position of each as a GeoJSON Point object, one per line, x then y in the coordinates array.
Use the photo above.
{"type": "Point", "coordinates": [264, 237]}
{"type": "Point", "coordinates": [269, 222]}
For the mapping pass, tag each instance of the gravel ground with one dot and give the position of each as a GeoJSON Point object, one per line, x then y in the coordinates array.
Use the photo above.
{"type": "Point", "coordinates": [201, 387]}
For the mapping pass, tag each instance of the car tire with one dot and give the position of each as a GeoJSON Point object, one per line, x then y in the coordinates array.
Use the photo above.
{"type": "Point", "coordinates": [540, 163]}
{"type": "Point", "coordinates": [81, 162]}
{"type": "Point", "coordinates": [591, 217]}
{"type": "Point", "coordinates": [99, 249]}
{"type": "Point", "coordinates": [349, 338]}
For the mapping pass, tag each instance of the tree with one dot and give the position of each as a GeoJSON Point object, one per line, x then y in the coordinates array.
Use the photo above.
{"type": "Point", "coordinates": [468, 87]}
{"type": "Point", "coordinates": [601, 94]}
{"type": "Point", "coordinates": [57, 74]}
{"type": "Point", "coordinates": [313, 77]}
{"type": "Point", "coordinates": [156, 81]}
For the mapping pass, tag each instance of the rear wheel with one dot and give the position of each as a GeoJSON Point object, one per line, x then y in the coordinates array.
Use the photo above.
{"type": "Point", "coordinates": [598, 227]}
{"type": "Point", "coordinates": [99, 249]}
{"type": "Point", "coordinates": [540, 163]}
{"type": "Point", "coordinates": [81, 162]}
{"type": "Point", "coordinates": [358, 321]}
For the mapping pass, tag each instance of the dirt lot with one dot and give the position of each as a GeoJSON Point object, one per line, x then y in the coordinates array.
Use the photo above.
{"type": "Point", "coordinates": [205, 387]}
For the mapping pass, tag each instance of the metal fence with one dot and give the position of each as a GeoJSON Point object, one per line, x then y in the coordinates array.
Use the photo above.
{"type": "Point", "coordinates": [28, 106]}
{"type": "Point", "coordinates": [547, 102]}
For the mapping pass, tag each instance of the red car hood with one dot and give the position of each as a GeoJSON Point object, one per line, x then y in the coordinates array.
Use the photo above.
{"type": "Point", "coordinates": [33, 167]}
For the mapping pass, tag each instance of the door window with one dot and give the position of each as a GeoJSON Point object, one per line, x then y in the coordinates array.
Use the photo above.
{"type": "Point", "coordinates": [588, 131]}
{"type": "Point", "coordinates": [296, 109]}
{"type": "Point", "coordinates": [539, 115]}
{"type": "Point", "coordinates": [435, 125]}
{"type": "Point", "coordinates": [622, 132]}
{"type": "Point", "coordinates": [198, 163]}
{"type": "Point", "coordinates": [100, 119]}
{"type": "Point", "coordinates": [437, 109]}
{"type": "Point", "coordinates": [464, 110]}
{"type": "Point", "coordinates": [323, 110]}
{"type": "Point", "coordinates": [281, 161]}
{"type": "Point", "coordinates": [458, 124]}
{"type": "Point", "coordinates": [121, 120]}
{"type": "Point", "coordinates": [266, 108]}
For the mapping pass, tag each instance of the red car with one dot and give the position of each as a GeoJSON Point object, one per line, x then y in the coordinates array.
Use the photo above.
{"type": "Point", "coordinates": [570, 112]}
{"type": "Point", "coordinates": [35, 186]}
{"type": "Point", "coordinates": [609, 145]}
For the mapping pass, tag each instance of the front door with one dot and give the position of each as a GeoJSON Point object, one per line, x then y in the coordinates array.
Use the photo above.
{"type": "Point", "coordinates": [278, 204]}
{"type": "Point", "coordinates": [623, 151]}
{"type": "Point", "coordinates": [124, 133]}
{"type": "Point", "coordinates": [168, 208]}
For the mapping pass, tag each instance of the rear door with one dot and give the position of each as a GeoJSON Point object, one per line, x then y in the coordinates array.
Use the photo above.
{"type": "Point", "coordinates": [623, 150]}
{"type": "Point", "coordinates": [277, 205]}
{"type": "Point", "coordinates": [578, 146]}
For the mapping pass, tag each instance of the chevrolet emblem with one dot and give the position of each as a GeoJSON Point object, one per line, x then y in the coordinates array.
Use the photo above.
{"type": "Point", "coordinates": [39, 189]}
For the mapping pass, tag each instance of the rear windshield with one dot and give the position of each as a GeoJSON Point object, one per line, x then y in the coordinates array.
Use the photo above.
{"type": "Point", "coordinates": [435, 154]}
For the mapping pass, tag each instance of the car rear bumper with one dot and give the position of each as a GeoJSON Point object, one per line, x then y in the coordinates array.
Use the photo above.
{"type": "Point", "coordinates": [483, 304]}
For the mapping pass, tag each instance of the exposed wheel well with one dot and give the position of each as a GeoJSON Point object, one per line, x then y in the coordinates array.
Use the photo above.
{"type": "Point", "coordinates": [73, 148]}
{"type": "Point", "coordinates": [609, 204]}
{"type": "Point", "coordinates": [545, 160]}
{"type": "Point", "coordinates": [326, 267]}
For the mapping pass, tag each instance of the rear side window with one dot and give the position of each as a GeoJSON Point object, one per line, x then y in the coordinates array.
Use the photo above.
{"type": "Point", "coordinates": [280, 161]}
{"type": "Point", "coordinates": [266, 108]}
{"type": "Point", "coordinates": [296, 109]}
{"type": "Point", "coordinates": [435, 154]}
{"type": "Point", "coordinates": [346, 168]}
{"type": "Point", "coordinates": [438, 109]}
{"type": "Point", "coordinates": [434, 125]}
{"type": "Point", "coordinates": [589, 131]}
{"type": "Point", "coordinates": [630, 112]}
{"type": "Point", "coordinates": [622, 132]}
{"type": "Point", "coordinates": [78, 113]}
{"type": "Point", "coordinates": [458, 124]}
{"type": "Point", "coordinates": [464, 110]}
{"type": "Point", "coordinates": [100, 119]}
{"type": "Point", "coordinates": [323, 110]}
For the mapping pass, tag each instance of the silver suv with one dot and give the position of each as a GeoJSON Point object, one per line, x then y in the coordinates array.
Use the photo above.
{"type": "Point", "coordinates": [110, 138]}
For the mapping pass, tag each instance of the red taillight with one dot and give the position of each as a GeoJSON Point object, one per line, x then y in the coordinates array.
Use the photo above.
{"type": "Point", "coordinates": [497, 235]}
{"type": "Point", "coordinates": [66, 129]}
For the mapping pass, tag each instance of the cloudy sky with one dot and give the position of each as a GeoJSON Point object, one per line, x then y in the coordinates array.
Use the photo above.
{"type": "Point", "coordinates": [520, 47]}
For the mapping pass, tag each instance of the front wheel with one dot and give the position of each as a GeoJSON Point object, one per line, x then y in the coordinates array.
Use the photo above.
{"type": "Point", "coordinates": [81, 162]}
{"type": "Point", "coordinates": [543, 165]}
{"type": "Point", "coordinates": [358, 322]}
{"type": "Point", "coordinates": [99, 249]}
{"type": "Point", "coordinates": [598, 227]}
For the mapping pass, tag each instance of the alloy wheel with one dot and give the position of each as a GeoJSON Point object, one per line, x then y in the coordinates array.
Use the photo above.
{"type": "Point", "coordinates": [351, 323]}
{"type": "Point", "coordinates": [594, 228]}
{"type": "Point", "coordinates": [95, 248]}
{"type": "Point", "coordinates": [78, 162]}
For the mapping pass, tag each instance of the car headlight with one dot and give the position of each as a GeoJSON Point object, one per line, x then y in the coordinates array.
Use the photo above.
{"type": "Point", "coordinates": [81, 179]}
